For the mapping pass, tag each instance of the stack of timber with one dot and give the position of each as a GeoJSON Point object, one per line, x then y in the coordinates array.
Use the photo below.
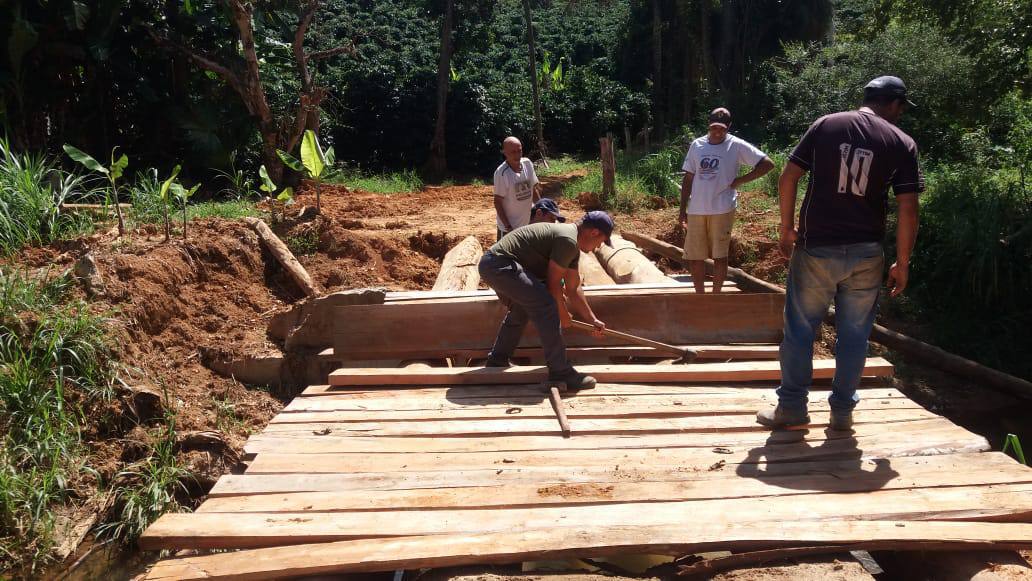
{"type": "Point", "coordinates": [377, 478]}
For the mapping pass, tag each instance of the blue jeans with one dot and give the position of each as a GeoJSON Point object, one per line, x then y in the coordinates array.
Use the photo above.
{"type": "Point", "coordinates": [851, 274]}
{"type": "Point", "coordinates": [529, 300]}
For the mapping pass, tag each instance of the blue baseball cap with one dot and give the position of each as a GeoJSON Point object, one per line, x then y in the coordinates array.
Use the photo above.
{"type": "Point", "coordinates": [600, 220]}
{"type": "Point", "coordinates": [547, 205]}
{"type": "Point", "coordinates": [887, 86]}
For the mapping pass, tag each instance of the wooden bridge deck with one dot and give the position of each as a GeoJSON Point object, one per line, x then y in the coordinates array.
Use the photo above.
{"type": "Point", "coordinates": [378, 477]}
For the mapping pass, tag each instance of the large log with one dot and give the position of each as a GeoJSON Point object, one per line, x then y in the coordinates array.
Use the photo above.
{"type": "Point", "coordinates": [591, 272]}
{"type": "Point", "coordinates": [625, 263]}
{"type": "Point", "coordinates": [414, 329]}
{"type": "Point", "coordinates": [284, 256]}
{"type": "Point", "coordinates": [919, 350]}
{"type": "Point", "coordinates": [459, 267]}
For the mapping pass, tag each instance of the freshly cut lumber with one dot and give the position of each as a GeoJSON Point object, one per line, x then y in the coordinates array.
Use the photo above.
{"type": "Point", "coordinates": [919, 350]}
{"type": "Point", "coordinates": [1004, 502]}
{"type": "Point", "coordinates": [820, 477]}
{"type": "Point", "coordinates": [513, 424]}
{"type": "Point", "coordinates": [309, 323]}
{"type": "Point", "coordinates": [284, 256]}
{"type": "Point", "coordinates": [739, 371]}
{"type": "Point", "coordinates": [459, 267]}
{"type": "Point", "coordinates": [668, 315]}
{"type": "Point", "coordinates": [693, 535]}
{"type": "Point", "coordinates": [901, 442]}
{"type": "Point", "coordinates": [626, 264]}
{"type": "Point", "coordinates": [589, 289]}
{"type": "Point", "coordinates": [591, 272]}
{"type": "Point", "coordinates": [926, 437]}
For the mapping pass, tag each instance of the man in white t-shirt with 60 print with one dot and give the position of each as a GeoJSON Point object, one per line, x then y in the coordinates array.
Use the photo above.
{"type": "Point", "coordinates": [516, 188]}
{"type": "Point", "coordinates": [709, 197]}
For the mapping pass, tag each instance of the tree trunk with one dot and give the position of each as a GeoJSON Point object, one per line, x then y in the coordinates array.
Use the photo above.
{"type": "Point", "coordinates": [437, 163]}
{"type": "Point", "coordinates": [532, 63]}
{"type": "Point", "coordinates": [608, 169]}
{"type": "Point", "coordinates": [657, 68]}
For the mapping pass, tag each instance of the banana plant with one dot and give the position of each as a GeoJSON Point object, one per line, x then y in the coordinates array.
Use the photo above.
{"type": "Point", "coordinates": [112, 173]}
{"type": "Point", "coordinates": [313, 164]}
{"type": "Point", "coordinates": [268, 186]}
{"type": "Point", "coordinates": [166, 187]}
{"type": "Point", "coordinates": [184, 195]}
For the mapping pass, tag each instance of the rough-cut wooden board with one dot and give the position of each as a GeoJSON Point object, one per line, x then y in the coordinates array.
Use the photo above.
{"type": "Point", "coordinates": [1004, 502]}
{"type": "Point", "coordinates": [395, 409]}
{"type": "Point", "coordinates": [675, 317]}
{"type": "Point", "coordinates": [514, 424]}
{"type": "Point", "coordinates": [459, 267]}
{"type": "Point", "coordinates": [457, 392]}
{"type": "Point", "coordinates": [900, 439]}
{"type": "Point", "coordinates": [737, 371]}
{"type": "Point", "coordinates": [303, 441]}
{"type": "Point", "coordinates": [593, 541]}
{"type": "Point", "coordinates": [589, 289]}
{"type": "Point", "coordinates": [830, 476]}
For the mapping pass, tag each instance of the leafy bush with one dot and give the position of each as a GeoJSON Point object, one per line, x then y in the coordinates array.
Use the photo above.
{"type": "Point", "coordinates": [56, 362]}
{"type": "Point", "coordinates": [32, 190]}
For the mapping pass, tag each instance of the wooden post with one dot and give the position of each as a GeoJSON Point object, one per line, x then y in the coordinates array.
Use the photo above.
{"type": "Point", "coordinates": [284, 256]}
{"type": "Point", "coordinates": [459, 267]}
{"type": "Point", "coordinates": [608, 169]}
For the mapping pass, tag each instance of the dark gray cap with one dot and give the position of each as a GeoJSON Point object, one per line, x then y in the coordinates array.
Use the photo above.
{"type": "Point", "coordinates": [887, 86]}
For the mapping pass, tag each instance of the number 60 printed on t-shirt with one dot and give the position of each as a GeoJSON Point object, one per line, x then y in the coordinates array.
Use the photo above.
{"type": "Point", "coordinates": [853, 177]}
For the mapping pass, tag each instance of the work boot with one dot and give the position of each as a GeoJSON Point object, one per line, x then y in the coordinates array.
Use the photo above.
{"type": "Point", "coordinates": [780, 417]}
{"type": "Point", "coordinates": [574, 381]}
{"type": "Point", "coordinates": [498, 362]}
{"type": "Point", "coordinates": [841, 421]}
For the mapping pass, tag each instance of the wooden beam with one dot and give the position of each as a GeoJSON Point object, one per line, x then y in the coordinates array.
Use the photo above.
{"type": "Point", "coordinates": [1002, 503]}
{"type": "Point", "coordinates": [739, 371]}
{"type": "Point", "coordinates": [625, 263]}
{"type": "Point", "coordinates": [589, 290]}
{"type": "Point", "coordinates": [670, 315]}
{"type": "Point", "coordinates": [459, 267]}
{"type": "Point", "coordinates": [921, 352]}
{"type": "Point", "coordinates": [694, 535]}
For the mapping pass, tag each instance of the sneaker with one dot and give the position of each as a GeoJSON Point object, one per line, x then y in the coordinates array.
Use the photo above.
{"type": "Point", "coordinates": [498, 362]}
{"type": "Point", "coordinates": [841, 421]}
{"type": "Point", "coordinates": [779, 417]}
{"type": "Point", "coordinates": [574, 381]}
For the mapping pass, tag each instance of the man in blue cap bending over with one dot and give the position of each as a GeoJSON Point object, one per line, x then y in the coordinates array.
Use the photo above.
{"type": "Point", "coordinates": [534, 270]}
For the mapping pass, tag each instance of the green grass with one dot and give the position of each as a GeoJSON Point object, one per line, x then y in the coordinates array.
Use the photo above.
{"type": "Point", "coordinates": [564, 165]}
{"type": "Point", "coordinates": [56, 364]}
{"type": "Point", "coordinates": [385, 183]}
{"type": "Point", "coordinates": [228, 209]}
{"type": "Point", "coordinates": [30, 202]}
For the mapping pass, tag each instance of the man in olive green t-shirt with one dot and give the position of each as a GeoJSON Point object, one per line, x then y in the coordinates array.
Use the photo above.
{"type": "Point", "coordinates": [528, 268]}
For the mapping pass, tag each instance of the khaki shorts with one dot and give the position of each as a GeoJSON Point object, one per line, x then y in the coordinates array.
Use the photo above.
{"type": "Point", "coordinates": [708, 236]}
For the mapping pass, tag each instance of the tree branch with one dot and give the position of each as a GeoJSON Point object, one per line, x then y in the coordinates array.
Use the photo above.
{"type": "Point", "coordinates": [298, 46]}
{"type": "Point", "coordinates": [322, 54]}
{"type": "Point", "coordinates": [204, 61]}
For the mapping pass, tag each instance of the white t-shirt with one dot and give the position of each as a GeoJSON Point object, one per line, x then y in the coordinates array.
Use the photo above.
{"type": "Point", "coordinates": [715, 166]}
{"type": "Point", "coordinates": [516, 191]}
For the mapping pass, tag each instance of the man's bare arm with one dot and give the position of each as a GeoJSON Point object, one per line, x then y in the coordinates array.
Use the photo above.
{"type": "Point", "coordinates": [556, 274]}
{"type": "Point", "coordinates": [758, 171]}
{"type": "Point", "coordinates": [686, 193]}
{"type": "Point", "coordinates": [788, 186]}
{"type": "Point", "coordinates": [500, 210]}
{"type": "Point", "coordinates": [906, 237]}
{"type": "Point", "coordinates": [537, 192]}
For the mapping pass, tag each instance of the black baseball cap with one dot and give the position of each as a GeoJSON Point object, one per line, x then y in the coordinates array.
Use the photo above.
{"type": "Point", "coordinates": [887, 86]}
{"type": "Point", "coordinates": [602, 221]}
{"type": "Point", "coordinates": [720, 116]}
{"type": "Point", "coordinates": [547, 205]}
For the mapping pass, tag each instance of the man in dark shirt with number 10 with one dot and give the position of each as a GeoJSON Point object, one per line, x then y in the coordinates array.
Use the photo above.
{"type": "Point", "coordinates": [836, 253]}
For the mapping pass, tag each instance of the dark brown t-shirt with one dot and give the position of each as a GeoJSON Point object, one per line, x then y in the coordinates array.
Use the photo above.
{"type": "Point", "coordinates": [853, 158]}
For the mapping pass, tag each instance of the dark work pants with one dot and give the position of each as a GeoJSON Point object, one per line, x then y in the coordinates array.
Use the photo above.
{"type": "Point", "coordinates": [529, 301]}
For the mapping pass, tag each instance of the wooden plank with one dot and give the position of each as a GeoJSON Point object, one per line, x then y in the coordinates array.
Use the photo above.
{"type": "Point", "coordinates": [737, 371]}
{"type": "Point", "coordinates": [902, 473]}
{"type": "Point", "coordinates": [675, 317]}
{"type": "Point", "coordinates": [579, 354]}
{"type": "Point", "coordinates": [463, 392]}
{"type": "Point", "coordinates": [1003, 502]}
{"type": "Point", "coordinates": [691, 536]}
{"type": "Point", "coordinates": [514, 424]}
{"type": "Point", "coordinates": [306, 442]}
{"type": "Point", "coordinates": [899, 441]}
{"type": "Point", "coordinates": [395, 409]}
{"type": "Point", "coordinates": [589, 289]}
